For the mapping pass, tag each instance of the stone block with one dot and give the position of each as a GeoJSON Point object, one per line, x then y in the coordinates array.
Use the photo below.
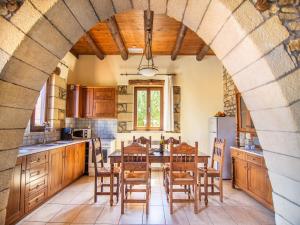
{"type": "Point", "coordinates": [57, 103]}
{"type": "Point", "coordinates": [8, 157]}
{"type": "Point", "coordinates": [279, 119]}
{"type": "Point", "coordinates": [11, 138]}
{"type": "Point", "coordinates": [125, 99]}
{"type": "Point", "coordinates": [44, 6]}
{"type": "Point", "coordinates": [4, 57]}
{"type": "Point", "coordinates": [125, 116]}
{"type": "Point", "coordinates": [58, 82]}
{"type": "Point", "coordinates": [259, 42]}
{"type": "Point", "coordinates": [290, 189]}
{"type": "Point", "coordinates": [194, 13]}
{"type": "Point", "coordinates": [61, 17]}
{"type": "Point", "coordinates": [285, 91]}
{"type": "Point", "coordinates": [245, 19]}
{"type": "Point", "coordinates": [104, 8]}
{"type": "Point", "coordinates": [264, 70]}
{"type": "Point", "coordinates": [158, 6]}
{"type": "Point", "coordinates": [34, 54]}
{"type": "Point", "coordinates": [140, 4]}
{"type": "Point", "coordinates": [129, 126]}
{"type": "Point", "coordinates": [10, 36]}
{"type": "Point", "coordinates": [280, 220]}
{"type": "Point", "coordinates": [286, 143]}
{"type": "Point", "coordinates": [122, 5]}
{"type": "Point", "coordinates": [3, 198]}
{"type": "Point", "coordinates": [12, 118]}
{"type": "Point", "coordinates": [26, 17]}
{"type": "Point", "coordinates": [5, 176]}
{"type": "Point", "coordinates": [54, 41]}
{"type": "Point", "coordinates": [84, 13]}
{"type": "Point", "coordinates": [289, 210]}
{"type": "Point", "coordinates": [176, 8]}
{"type": "Point", "coordinates": [216, 15]}
{"type": "Point", "coordinates": [2, 216]}
{"type": "Point", "coordinates": [18, 72]}
{"type": "Point", "coordinates": [10, 95]}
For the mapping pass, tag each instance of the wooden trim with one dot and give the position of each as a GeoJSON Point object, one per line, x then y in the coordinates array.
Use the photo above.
{"type": "Point", "coordinates": [33, 127]}
{"type": "Point", "coordinates": [202, 52]}
{"type": "Point", "coordinates": [179, 41]}
{"type": "Point", "coordinates": [148, 127]}
{"type": "Point", "coordinates": [148, 28]}
{"type": "Point", "coordinates": [94, 46]}
{"type": "Point", "coordinates": [146, 82]}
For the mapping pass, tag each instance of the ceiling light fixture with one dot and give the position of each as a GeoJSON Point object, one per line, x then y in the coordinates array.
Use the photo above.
{"type": "Point", "coordinates": [148, 69]}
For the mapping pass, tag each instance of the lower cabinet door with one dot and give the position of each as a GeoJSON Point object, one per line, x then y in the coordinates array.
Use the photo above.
{"type": "Point", "coordinates": [55, 173]}
{"type": "Point", "coordinates": [15, 206]}
{"type": "Point", "coordinates": [69, 164]}
{"type": "Point", "coordinates": [35, 200]}
{"type": "Point", "coordinates": [240, 172]}
{"type": "Point", "coordinates": [79, 159]}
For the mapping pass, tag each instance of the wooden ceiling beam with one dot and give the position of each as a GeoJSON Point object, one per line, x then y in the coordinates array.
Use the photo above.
{"type": "Point", "coordinates": [74, 53]}
{"type": "Point", "coordinates": [179, 41]}
{"type": "Point", "coordinates": [202, 52]}
{"type": "Point", "coordinates": [114, 30]}
{"type": "Point", "coordinates": [148, 27]}
{"type": "Point", "coordinates": [94, 46]}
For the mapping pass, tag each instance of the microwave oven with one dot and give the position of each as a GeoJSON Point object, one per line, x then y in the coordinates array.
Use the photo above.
{"type": "Point", "coordinates": [82, 133]}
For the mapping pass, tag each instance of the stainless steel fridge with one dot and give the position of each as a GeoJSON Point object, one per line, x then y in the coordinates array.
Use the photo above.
{"type": "Point", "coordinates": [223, 127]}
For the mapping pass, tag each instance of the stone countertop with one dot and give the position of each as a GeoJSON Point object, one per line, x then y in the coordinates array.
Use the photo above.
{"type": "Point", "coordinates": [257, 152]}
{"type": "Point", "coordinates": [31, 149]}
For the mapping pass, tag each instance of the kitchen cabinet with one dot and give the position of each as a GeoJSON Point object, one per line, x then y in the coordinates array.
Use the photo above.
{"type": "Point", "coordinates": [92, 102]}
{"type": "Point", "coordinates": [55, 177]}
{"type": "Point", "coordinates": [15, 207]}
{"type": "Point", "coordinates": [69, 164]}
{"type": "Point", "coordinates": [87, 102]}
{"type": "Point", "coordinates": [251, 175]}
{"type": "Point", "coordinates": [79, 160]}
{"type": "Point", "coordinates": [74, 101]}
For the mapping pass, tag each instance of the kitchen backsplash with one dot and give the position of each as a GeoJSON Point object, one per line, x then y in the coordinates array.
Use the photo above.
{"type": "Point", "coordinates": [38, 137]}
{"type": "Point", "coordinates": [104, 128]}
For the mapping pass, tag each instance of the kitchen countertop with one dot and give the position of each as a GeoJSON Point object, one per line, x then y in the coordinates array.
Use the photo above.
{"type": "Point", "coordinates": [257, 152]}
{"type": "Point", "coordinates": [31, 149]}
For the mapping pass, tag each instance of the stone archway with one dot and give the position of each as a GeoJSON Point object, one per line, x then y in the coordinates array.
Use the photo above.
{"type": "Point", "coordinates": [250, 46]}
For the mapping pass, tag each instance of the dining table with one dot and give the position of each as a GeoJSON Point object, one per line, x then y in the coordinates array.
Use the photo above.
{"type": "Point", "coordinates": [157, 157]}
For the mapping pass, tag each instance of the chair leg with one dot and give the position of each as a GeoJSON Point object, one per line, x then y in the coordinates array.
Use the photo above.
{"type": "Point", "coordinates": [221, 189]}
{"type": "Point", "coordinates": [212, 184]}
{"type": "Point", "coordinates": [171, 199]}
{"type": "Point", "coordinates": [122, 196]}
{"type": "Point", "coordinates": [101, 184]}
{"type": "Point", "coordinates": [118, 187]}
{"type": "Point", "coordinates": [147, 198]}
{"type": "Point", "coordinates": [95, 189]}
{"type": "Point", "coordinates": [195, 198]}
{"type": "Point", "coordinates": [200, 188]}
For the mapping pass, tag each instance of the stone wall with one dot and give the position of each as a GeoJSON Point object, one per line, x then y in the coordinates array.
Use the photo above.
{"type": "Point", "coordinates": [229, 94]}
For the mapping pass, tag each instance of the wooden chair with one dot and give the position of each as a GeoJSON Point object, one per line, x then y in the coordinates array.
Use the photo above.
{"type": "Point", "coordinates": [143, 141]}
{"type": "Point", "coordinates": [102, 172]}
{"type": "Point", "coordinates": [167, 144]}
{"type": "Point", "coordinates": [215, 170]}
{"type": "Point", "coordinates": [134, 171]}
{"type": "Point", "coordinates": [183, 174]}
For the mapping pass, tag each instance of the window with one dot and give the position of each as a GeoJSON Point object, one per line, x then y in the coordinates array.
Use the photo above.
{"type": "Point", "coordinates": [39, 114]}
{"type": "Point", "coordinates": [148, 108]}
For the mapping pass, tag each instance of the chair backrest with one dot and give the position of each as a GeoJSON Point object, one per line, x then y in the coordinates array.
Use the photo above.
{"type": "Point", "coordinates": [142, 140]}
{"type": "Point", "coordinates": [97, 154]}
{"type": "Point", "coordinates": [183, 157]}
{"type": "Point", "coordinates": [218, 153]}
{"type": "Point", "coordinates": [170, 140]}
{"type": "Point", "coordinates": [135, 157]}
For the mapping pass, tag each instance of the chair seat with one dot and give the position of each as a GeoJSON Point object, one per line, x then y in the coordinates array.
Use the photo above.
{"type": "Point", "coordinates": [181, 177]}
{"type": "Point", "coordinates": [135, 177]}
{"type": "Point", "coordinates": [210, 172]}
{"type": "Point", "coordinates": [105, 171]}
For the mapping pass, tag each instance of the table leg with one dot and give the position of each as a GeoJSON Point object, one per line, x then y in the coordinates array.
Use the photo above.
{"type": "Point", "coordinates": [111, 184]}
{"type": "Point", "coordinates": [205, 184]}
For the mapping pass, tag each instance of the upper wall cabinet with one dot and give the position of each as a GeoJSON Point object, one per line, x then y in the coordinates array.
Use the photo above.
{"type": "Point", "coordinates": [91, 102]}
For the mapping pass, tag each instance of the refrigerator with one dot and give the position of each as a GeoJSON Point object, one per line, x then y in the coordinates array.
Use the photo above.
{"type": "Point", "coordinates": [223, 127]}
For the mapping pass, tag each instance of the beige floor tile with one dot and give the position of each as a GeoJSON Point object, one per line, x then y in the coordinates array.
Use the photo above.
{"type": "Point", "coordinates": [63, 197]}
{"type": "Point", "coordinates": [45, 213]}
{"type": "Point", "coordinates": [109, 215]}
{"type": "Point", "coordinates": [261, 215]}
{"type": "Point", "coordinates": [201, 218]}
{"type": "Point", "coordinates": [133, 215]}
{"type": "Point", "coordinates": [155, 215]}
{"type": "Point", "coordinates": [88, 214]}
{"type": "Point", "coordinates": [240, 215]}
{"type": "Point", "coordinates": [178, 217]}
{"type": "Point", "coordinates": [83, 198]}
{"type": "Point", "coordinates": [218, 216]}
{"type": "Point", "coordinates": [31, 223]}
{"type": "Point", "coordinates": [67, 214]}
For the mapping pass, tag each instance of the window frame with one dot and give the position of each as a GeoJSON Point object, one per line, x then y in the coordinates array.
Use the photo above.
{"type": "Point", "coordinates": [33, 126]}
{"type": "Point", "coordinates": [148, 126]}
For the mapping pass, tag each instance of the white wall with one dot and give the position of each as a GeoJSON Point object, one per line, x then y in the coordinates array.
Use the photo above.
{"type": "Point", "coordinates": [201, 86]}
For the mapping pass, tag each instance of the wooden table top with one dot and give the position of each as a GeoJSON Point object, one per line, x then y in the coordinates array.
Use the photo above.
{"type": "Point", "coordinates": [156, 156]}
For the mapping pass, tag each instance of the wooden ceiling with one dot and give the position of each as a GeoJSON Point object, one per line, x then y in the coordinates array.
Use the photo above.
{"type": "Point", "coordinates": [131, 27]}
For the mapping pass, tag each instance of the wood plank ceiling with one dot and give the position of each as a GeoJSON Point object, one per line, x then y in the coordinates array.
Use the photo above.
{"type": "Point", "coordinates": [166, 37]}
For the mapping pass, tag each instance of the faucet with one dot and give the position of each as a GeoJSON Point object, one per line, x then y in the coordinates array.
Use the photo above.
{"type": "Point", "coordinates": [46, 128]}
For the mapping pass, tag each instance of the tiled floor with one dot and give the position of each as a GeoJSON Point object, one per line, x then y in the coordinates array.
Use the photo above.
{"type": "Point", "coordinates": [74, 205]}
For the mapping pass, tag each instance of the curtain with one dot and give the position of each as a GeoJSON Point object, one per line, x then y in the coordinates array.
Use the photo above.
{"type": "Point", "coordinates": [168, 104]}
